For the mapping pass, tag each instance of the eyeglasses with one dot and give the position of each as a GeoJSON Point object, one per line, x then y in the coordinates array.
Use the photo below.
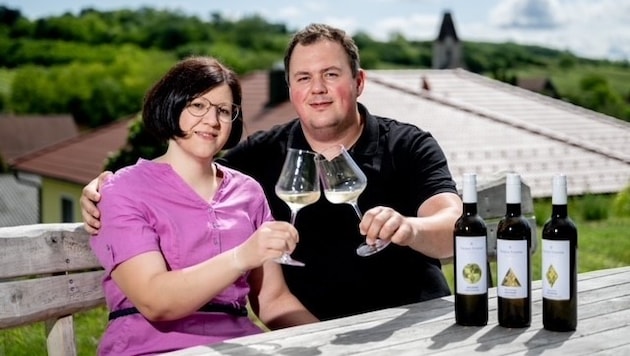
{"type": "Point", "coordinates": [224, 112]}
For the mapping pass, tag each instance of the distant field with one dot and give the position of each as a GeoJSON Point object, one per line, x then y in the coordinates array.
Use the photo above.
{"type": "Point", "coordinates": [568, 81]}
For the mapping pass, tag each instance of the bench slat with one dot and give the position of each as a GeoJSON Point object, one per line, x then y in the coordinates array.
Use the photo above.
{"type": "Point", "coordinates": [44, 248]}
{"type": "Point", "coordinates": [29, 301]}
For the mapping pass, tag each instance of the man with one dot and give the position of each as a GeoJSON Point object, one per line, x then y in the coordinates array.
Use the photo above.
{"type": "Point", "coordinates": [410, 198]}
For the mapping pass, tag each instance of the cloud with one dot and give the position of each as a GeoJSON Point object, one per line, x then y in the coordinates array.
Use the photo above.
{"type": "Point", "coordinates": [528, 14]}
{"type": "Point", "coordinates": [414, 26]}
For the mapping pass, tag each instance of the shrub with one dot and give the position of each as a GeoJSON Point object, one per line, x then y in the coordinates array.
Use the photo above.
{"type": "Point", "coordinates": [594, 208]}
{"type": "Point", "coordinates": [621, 203]}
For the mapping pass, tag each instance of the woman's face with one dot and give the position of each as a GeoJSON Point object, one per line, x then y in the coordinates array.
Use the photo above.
{"type": "Point", "coordinates": [207, 122]}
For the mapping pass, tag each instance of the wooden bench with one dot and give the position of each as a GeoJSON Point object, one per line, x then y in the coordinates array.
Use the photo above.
{"type": "Point", "coordinates": [48, 273]}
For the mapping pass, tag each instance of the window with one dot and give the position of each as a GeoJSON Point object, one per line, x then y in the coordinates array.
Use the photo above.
{"type": "Point", "coordinates": [67, 210]}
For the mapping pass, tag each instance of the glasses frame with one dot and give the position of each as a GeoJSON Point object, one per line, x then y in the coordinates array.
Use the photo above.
{"type": "Point", "coordinates": [236, 109]}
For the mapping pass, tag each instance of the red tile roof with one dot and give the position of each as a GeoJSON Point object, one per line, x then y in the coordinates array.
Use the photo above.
{"type": "Point", "coordinates": [483, 126]}
{"type": "Point", "coordinates": [77, 160]}
{"type": "Point", "coordinates": [26, 133]}
{"type": "Point", "coordinates": [82, 158]}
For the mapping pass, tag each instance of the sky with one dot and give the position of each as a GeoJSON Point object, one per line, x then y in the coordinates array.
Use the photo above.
{"type": "Point", "coordinates": [598, 29]}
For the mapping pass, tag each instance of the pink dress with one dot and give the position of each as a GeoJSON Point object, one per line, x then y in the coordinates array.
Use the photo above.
{"type": "Point", "coordinates": [148, 207]}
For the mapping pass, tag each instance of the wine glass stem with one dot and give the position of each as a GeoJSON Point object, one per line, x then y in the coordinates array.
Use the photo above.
{"type": "Point", "coordinates": [293, 215]}
{"type": "Point", "coordinates": [356, 210]}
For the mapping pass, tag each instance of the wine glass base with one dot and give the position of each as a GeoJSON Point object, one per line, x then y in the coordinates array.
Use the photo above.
{"type": "Point", "coordinates": [286, 259]}
{"type": "Point", "coordinates": [367, 250]}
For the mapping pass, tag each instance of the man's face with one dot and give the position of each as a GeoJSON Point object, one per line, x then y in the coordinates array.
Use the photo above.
{"type": "Point", "coordinates": [322, 89]}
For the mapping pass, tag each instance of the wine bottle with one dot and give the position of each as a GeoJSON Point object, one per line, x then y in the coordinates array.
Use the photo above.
{"type": "Point", "coordinates": [514, 260]}
{"type": "Point", "coordinates": [470, 260]}
{"type": "Point", "coordinates": [559, 263]}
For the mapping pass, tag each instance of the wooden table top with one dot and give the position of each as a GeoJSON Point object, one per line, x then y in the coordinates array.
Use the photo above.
{"type": "Point", "coordinates": [428, 328]}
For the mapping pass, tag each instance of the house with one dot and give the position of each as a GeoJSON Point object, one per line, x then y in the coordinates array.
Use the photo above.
{"type": "Point", "coordinates": [19, 199]}
{"type": "Point", "coordinates": [542, 85]}
{"type": "Point", "coordinates": [69, 165]}
{"type": "Point", "coordinates": [22, 134]}
{"type": "Point", "coordinates": [490, 127]}
{"type": "Point", "coordinates": [483, 125]}
{"type": "Point", "coordinates": [19, 202]}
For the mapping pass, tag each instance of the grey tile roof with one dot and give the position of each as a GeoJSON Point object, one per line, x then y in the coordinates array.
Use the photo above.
{"type": "Point", "coordinates": [489, 127]}
{"type": "Point", "coordinates": [483, 125]}
{"type": "Point", "coordinates": [19, 203]}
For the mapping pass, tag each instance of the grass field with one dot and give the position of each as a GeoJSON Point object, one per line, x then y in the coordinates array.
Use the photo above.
{"type": "Point", "coordinates": [603, 243]}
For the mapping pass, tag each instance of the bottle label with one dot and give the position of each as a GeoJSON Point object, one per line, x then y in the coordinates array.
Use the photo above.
{"type": "Point", "coordinates": [512, 269]}
{"type": "Point", "coordinates": [471, 262]}
{"type": "Point", "coordinates": [556, 269]}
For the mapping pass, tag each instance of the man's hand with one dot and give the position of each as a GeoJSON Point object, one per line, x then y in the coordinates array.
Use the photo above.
{"type": "Point", "coordinates": [89, 198]}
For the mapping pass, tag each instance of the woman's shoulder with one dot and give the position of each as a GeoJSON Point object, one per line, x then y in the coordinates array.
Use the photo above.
{"type": "Point", "coordinates": [133, 177]}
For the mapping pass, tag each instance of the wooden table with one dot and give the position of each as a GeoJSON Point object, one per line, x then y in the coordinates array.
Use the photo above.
{"type": "Point", "coordinates": [429, 328]}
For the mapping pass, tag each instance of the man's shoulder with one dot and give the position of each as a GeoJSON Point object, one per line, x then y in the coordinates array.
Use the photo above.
{"type": "Point", "coordinates": [397, 126]}
{"type": "Point", "coordinates": [239, 178]}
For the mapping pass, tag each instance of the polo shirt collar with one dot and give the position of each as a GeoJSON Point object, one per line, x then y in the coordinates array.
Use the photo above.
{"type": "Point", "coordinates": [368, 149]}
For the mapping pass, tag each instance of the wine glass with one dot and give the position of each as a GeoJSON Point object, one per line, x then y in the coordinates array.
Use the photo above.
{"type": "Point", "coordinates": [298, 186]}
{"type": "Point", "coordinates": [343, 182]}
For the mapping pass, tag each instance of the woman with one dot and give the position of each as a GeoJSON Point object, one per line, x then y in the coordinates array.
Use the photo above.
{"type": "Point", "coordinates": [185, 240]}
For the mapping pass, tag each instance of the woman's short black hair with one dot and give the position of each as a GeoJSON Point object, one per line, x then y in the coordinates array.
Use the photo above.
{"type": "Point", "coordinates": [188, 79]}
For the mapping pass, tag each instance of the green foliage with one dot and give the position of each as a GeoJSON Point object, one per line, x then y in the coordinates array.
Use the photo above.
{"type": "Point", "coordinates": [621, 203]}
{"type": "Point", "coordinates": [6, 78]}
{"type": "Point", "coordinates": [140, 144]}
{"type": "Point", "coordinates": [542, 211]}
{"type": "Point", "coordinates": [33, 92]}
{"type": "Point", "coordinates": [594, 208]}
{"type": "Point", "coordinates": [95, 45]}
{"type": "Point", "coordinates": [53, 52]}
{"type": "Point", "coordinates": [4, 167]}
{"type": "Point", "coordinates": [95, 93]}
{"type": "Point", "coordinates": [600, 87]}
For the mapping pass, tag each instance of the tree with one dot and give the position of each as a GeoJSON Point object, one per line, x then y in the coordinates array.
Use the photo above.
{"type": "Point", "coordinates": [139, 144]}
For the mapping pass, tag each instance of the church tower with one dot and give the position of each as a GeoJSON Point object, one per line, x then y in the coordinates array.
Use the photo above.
{"type": "Point", "coordinates": [447, 50]}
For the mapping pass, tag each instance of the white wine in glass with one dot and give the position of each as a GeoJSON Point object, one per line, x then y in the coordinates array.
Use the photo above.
{"type": "Point", "coordinates": [298, 186]}
{"type": "Point", "coordinates": [343, 182]}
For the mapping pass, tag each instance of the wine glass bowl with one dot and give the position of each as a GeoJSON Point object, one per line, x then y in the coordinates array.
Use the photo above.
{"type": "Point", "coordinates": [343, 182]}
{"type": "Point", "coordinates": [297, 186]}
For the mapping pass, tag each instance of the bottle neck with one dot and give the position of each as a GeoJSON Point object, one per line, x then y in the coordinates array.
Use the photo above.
{"type": "Point", "coordinates": [513, 189]}
{"type": "Point", "coordinates": [513, 209]}
{"type": "Point", "coordinates": [559, 210]}
{"type": "Point", "coordinates": [470, 208]}
{"type": "Point", "coordinates": [559, 196]}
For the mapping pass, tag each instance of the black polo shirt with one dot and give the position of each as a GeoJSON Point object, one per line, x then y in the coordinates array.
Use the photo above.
{"type": "Point", "coordinates": [404, 166]}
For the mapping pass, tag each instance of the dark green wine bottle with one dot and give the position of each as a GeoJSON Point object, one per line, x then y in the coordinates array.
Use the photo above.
{"type": "Point", "coordinates": [559, 263]}
{"type": "Point", "coordinates": [470, 260]}
{"type": "Point", "coordinates": [514, 301]}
